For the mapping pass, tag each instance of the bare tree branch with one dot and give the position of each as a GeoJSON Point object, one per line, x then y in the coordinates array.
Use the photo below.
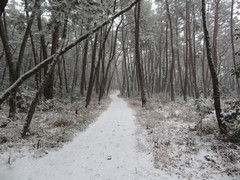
{"type": "Point", "coordinates": [31, 72]}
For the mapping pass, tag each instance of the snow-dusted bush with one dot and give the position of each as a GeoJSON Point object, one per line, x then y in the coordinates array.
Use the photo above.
{"type": "Point", "coordinates": [46, 105]}
{"type": "Point", "coordinates": [203, 107]}
{"type": "Point", "coordinates": [231, 117]}
{"type": "Point", "coordinates": [24, 98]}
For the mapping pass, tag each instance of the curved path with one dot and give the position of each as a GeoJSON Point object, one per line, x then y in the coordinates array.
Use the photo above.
{"type": "Point", "coordinates": [105, 151]}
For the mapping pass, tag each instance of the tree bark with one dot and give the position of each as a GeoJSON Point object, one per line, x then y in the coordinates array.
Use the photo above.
{"type": "Point", "coordinates": [48, 91]}
{"type": "Point", "coordinates": [11, 67]}
{"type": "Point", "coordinates": [75, 73]}
{"type": "Point", "coordinates": [215, 35]}
{"type": "Point", "coordinates": [3, 4]}
{"type": "Point", "coordinates": [215, 83]}
{"type": "Point", "coordinates": [65, 74]}
{"type": "Point", "coordinates": [186, 51]}
{"type": "Point", "coordinates": [44, 83]}
{"type": "Point", "coordinates": [92, 74]}
{"type": "Point", "coordinates": [233, 47]}
{"type": "Point", "coordinates": [101, 61]}
{"type": "Point", "coordinates": [104, 81]}
{"type": "Point", "coordinates": [84, 66]}
{"type": "Point", "coordinates": [173, 54]}
{"type": "Point", "coordinates": [194, 58]}
{"type": "Point", "coordinates": [165, 70]}
{"type": "Point", "coordinates": [178, 55]}
{"type": "Point", "coordinates": [137, 53]}
{"type": "Point", "coordinates": [35, 57]}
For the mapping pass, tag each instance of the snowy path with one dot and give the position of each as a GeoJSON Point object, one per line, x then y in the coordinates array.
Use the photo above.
{"type": "Point", "coordinates": [105, 151]}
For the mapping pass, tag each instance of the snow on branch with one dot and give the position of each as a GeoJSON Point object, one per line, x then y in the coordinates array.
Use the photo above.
{"type": "Point", "coordinates": [31, 72]}
{"type": "Point", "coordinates": [231, 114]}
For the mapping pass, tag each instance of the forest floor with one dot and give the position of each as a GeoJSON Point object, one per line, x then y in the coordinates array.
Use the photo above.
{"type": "Point", "coordinates": [182, 142]}
{"type": "Point", "coordinates": [158, 142]}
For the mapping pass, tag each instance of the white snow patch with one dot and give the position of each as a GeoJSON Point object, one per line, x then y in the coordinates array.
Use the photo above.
{"type": "Point", "coordinates": [106, 150]}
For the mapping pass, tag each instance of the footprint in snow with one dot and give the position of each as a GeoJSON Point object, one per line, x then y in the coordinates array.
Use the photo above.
{"type": "Point", "coordinates": [109, 157]}
{"type": "Point", "coordinates": [96, 175]}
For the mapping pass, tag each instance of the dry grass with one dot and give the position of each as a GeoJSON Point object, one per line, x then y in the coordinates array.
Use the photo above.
{"type": "Point", "coordinates": [177, 145]}
{"type": "Point", "coordinates": [62, 122]}
{"type": "Point", "coordinates": [51, 128]}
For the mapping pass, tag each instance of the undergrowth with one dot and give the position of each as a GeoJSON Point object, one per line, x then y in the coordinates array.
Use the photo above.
{"type": "Point", "coordinates": [54, 123]}
{"type": "Point", "coordinates": [183, 138]}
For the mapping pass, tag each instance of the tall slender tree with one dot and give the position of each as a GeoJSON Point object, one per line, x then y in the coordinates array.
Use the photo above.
{"type": "Point", "coordinates": [172, 89]}
{"type": "Point", "coordinates": [185, 90]}
{"type": "Point", "coordinates": [215, 83]}
{"type": "Point", "coordinates": [233, 46]}
{"type": "Point", "coordinates": [92, 73]}
{"type": "Point", "coordinates": [137, 53]}
{"type": "Point", "coordinates": [215, 35]}
{"type": "Point", "coordinates": [44, 83]}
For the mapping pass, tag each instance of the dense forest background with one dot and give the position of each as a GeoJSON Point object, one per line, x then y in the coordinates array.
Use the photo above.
{"type": "Point", "coordinates": [76, 48]}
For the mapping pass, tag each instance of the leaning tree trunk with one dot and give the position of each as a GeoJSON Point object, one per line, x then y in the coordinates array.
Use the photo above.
{"type": "Point", "coordinates": [32, 71]}
{"type": "Point", "coordinates": [104, 80]}
{"type": "Point", "coordinates": [43, 85]}
{"type": "Point", "coordinates": [138, 63]}
{"type": "Point", "coordinates": [215, 83]}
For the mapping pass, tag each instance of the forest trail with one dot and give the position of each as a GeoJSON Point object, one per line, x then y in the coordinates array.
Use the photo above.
{"type": "Point", "coordinates": [106, 150]}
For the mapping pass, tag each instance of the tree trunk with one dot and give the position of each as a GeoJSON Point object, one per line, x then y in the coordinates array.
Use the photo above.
{"type": "Point", "coordinates": [104, 81]}
{"type": "Point", "coordinates": [125, 69]}
{"type": "Point", "coordinates": [48, 91]}
{"type": "Point", "coordinates": [173, 54]}
{"type": "Point", "coordinates": [92, 74]}
{"type": "Point", "coordinates": [31, 72]}
{"type": "Point", "coordinates": [11, 67]}
{"type": "Point", "coordinates": [178, 57]}
{"type": "Point", "coordinates": [75, 73]}
{"type": "Point", "coordinates": [165, 70]}
{"type": "Point", "coordinates": [233, 47]}
{"type": "Point", "coordinates": [3, 3]}
{"type": "Point", "coordinates": [185, 90]}
{"type": "Point", "coordinates": [84, 66]}
{"type": "Point", "coordinates": [36, 58]}
{"type": "Point", "coordinates": [44, 83]}
{"type": "Point", "coordinates": [215, 35]}
{"type": "Point", "coordinates": [137, 52]}
{"type": "Point", "coordinates": [101, 60]}
{"type": "Point", "coordinates": [65, 74]}
{"type": "Point", "coordinates": [60, 78]}
{"type": "Point", "coordinates": [215, 83]}
{"type": "Point", "coordinates": [194, 58]}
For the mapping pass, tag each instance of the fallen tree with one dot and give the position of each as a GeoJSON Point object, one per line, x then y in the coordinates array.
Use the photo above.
{"type": "Point", "coordinates": [31, 72]}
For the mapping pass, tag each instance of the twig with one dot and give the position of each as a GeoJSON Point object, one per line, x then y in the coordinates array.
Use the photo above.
{"type": "Point", "coordinates": [9, 158]}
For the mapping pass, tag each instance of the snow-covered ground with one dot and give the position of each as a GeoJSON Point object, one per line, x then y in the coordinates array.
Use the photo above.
{"type": "Point", "coordinates": [181, 145]}
{"type": "Point", "coordinates": [106, 150]}
{"type": "Point", "coordinates": [158, 142]}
